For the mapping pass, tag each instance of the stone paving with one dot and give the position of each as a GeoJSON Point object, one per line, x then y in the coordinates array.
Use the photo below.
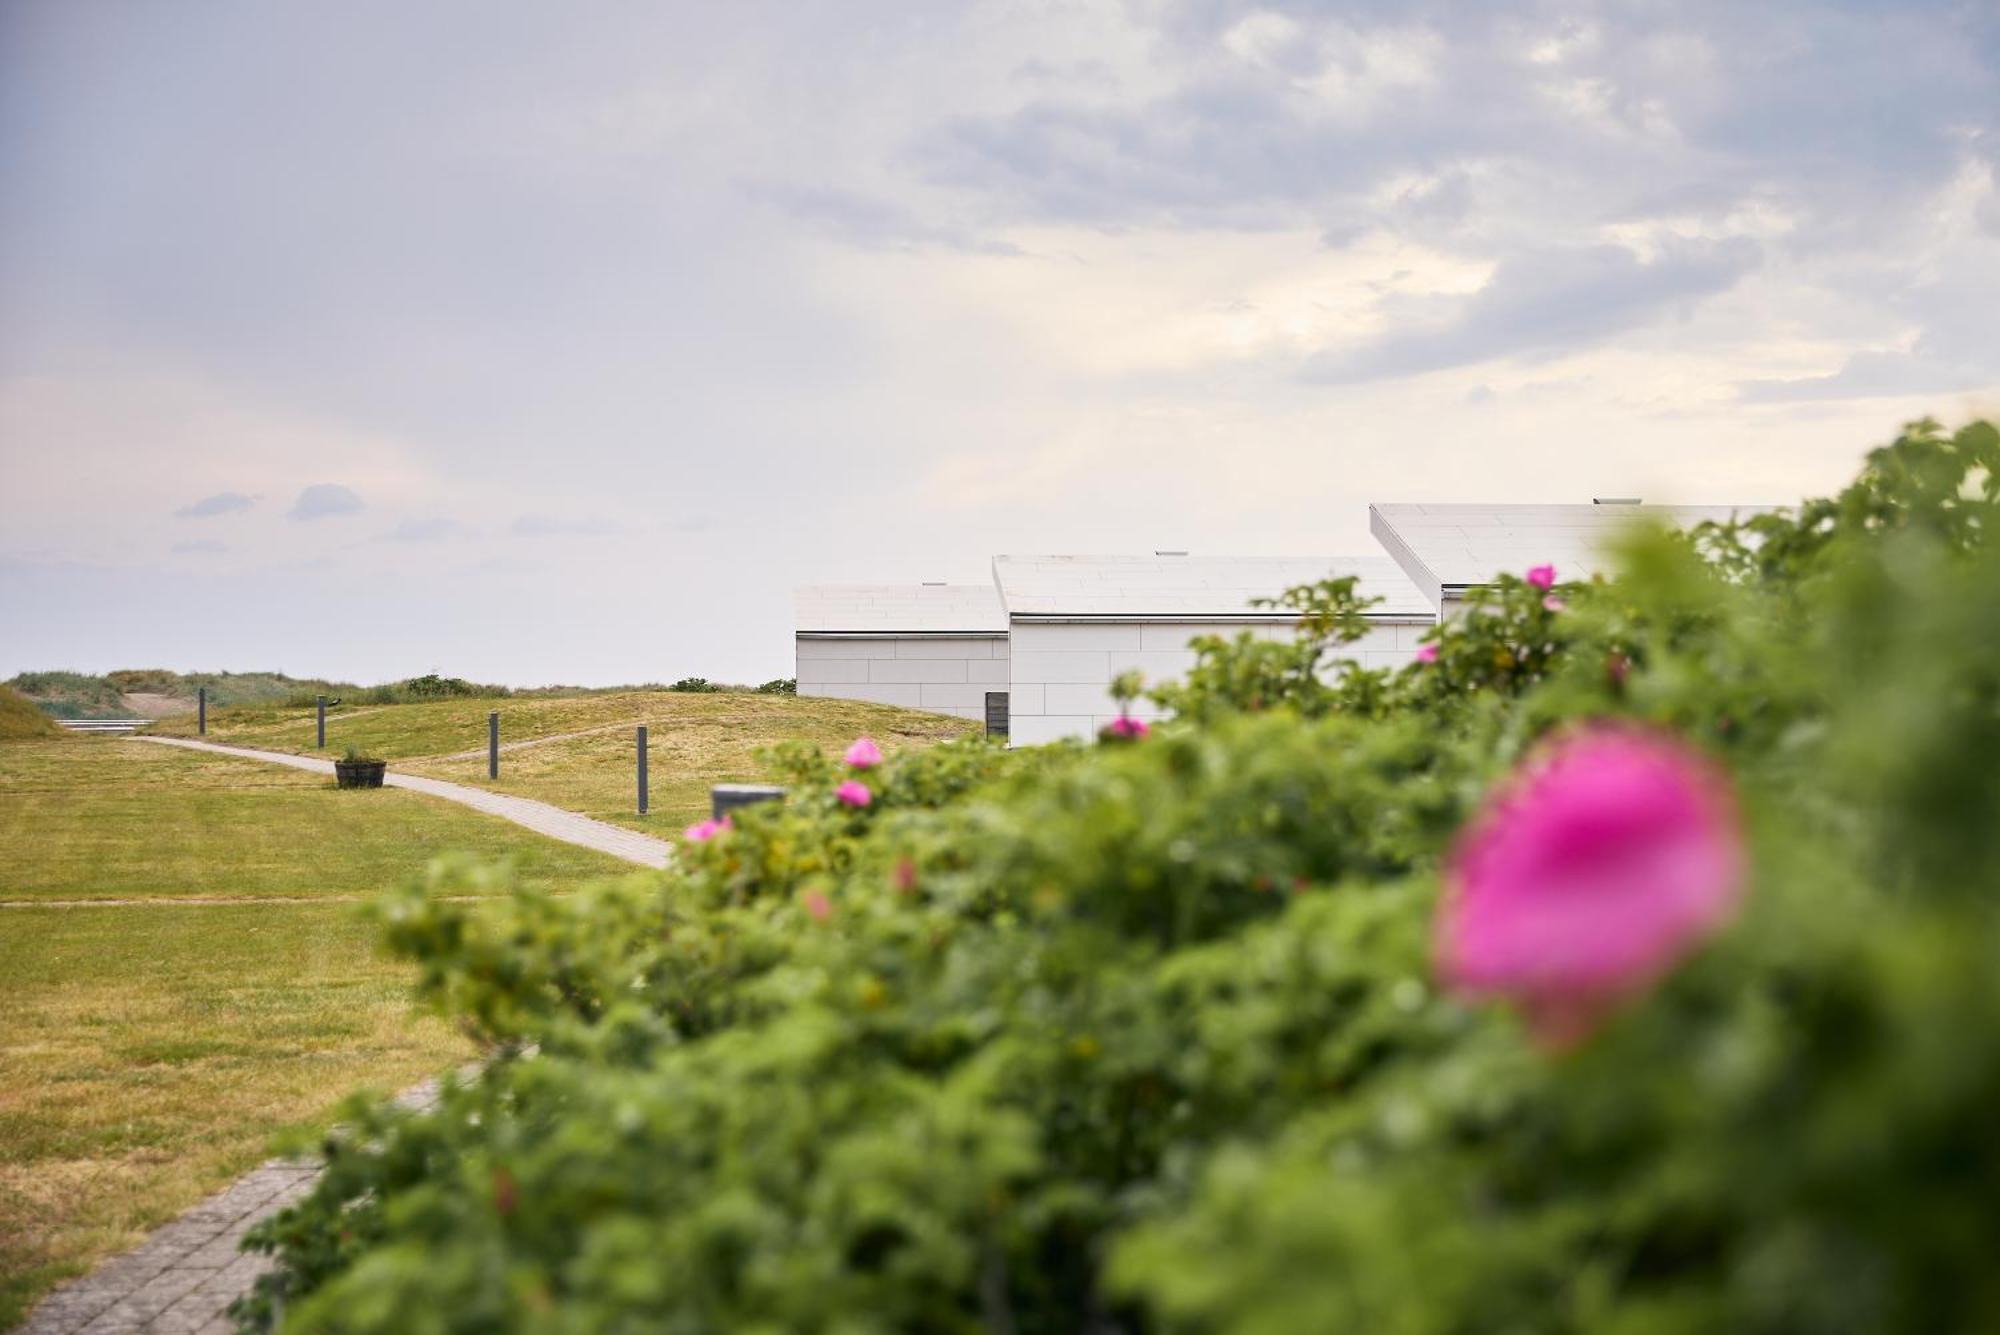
{"type": "Point", "coordinates": [182, 1279]}
{"type": "Point", "coordinates": [540, 817]}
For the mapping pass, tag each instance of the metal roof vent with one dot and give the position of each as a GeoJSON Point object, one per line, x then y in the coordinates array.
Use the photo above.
{"type": "Point", "coordinates": [934, 584]}
{"type": "Point", "coordinates": [1160, 553]}
{"type": "Point", "coordinates": [1615, 500]}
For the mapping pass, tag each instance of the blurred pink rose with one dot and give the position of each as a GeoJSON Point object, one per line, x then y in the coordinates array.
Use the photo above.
{"type": "Point", "coordinates": [703, 831]}
{"type": "Point", "coordinates": [1542, 577]}
{"type": "Point", "coordinates": [1427, 653]}
{"type": "Point", "coordinates": [1126, 728]}
{"type": "Point", "coordinates": [1590, 872]}
{"type": "Point", "coordinates": [817, 905]}
{"type": "Point", "coordinates": [853, 794]}
{"type": "Point", "coordinates": [864, 754]}
{"type": "Point", "coordinates": [1553, 603]}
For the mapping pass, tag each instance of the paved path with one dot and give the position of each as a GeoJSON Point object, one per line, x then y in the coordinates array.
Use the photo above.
{"type": "Point", "coordinates": [537, 816]}
{"type": "Point", "coordinates": [181, 1280]}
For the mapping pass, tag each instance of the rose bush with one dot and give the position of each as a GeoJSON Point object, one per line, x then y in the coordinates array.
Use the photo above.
{"type": "Point", "coordinates": [1629, 964]}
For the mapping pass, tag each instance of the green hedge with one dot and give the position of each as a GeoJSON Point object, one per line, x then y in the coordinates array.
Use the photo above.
{"type": "Point", "coordinates": [1149, 1036]}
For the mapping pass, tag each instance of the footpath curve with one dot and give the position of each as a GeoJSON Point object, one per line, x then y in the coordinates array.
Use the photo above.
{"type": "Point", "coordinates": [540, 817]}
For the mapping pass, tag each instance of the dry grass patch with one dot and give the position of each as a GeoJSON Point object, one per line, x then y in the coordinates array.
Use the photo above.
{"type": "Point", "coordinates": [151, 1053]}
{"type": "Point", "coordinates": [576, 752]}
{"type": "Point", "coordinates": [98, 818]}
{"type": "Point", "coordinates": [151, 1050]}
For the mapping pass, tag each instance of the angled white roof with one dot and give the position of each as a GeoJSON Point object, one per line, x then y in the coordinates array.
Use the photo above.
{"type": "Point", "coordinates": [891, 609]}
{"type": "Point", "coordinates": [1445, 549]}
{"type": "Point", "coordinates": [1167, 588]}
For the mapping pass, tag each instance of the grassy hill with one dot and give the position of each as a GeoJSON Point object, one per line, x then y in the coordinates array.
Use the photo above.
{"type": "Point", "coordinates": [578, 751]}
{"type": "Point", "coordinates": [156, 691]}
{"type": "Point", "coordinates": [20, 720]}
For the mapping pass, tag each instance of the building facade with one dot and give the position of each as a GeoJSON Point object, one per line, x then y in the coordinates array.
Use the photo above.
{"type": "Point", "coordinates": [1075, 622]}
{"type": "Point", "coordinates": [935, 647]}
{"type": "Point", "coordinates": [1449, 550]}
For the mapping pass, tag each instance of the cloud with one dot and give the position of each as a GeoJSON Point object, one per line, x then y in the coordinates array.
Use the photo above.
{"type": "Point", "coordinates": [200, 547]}
{"type": "Point", "coordinates": [868, 221]}
{"type": "Point", "coordinates": [325, 500]}
{"type": "Point", "coordinates": [549, 526]}
{"type": "Point", "coordinates": [222, 503]}
{"type": "Point", "coordinates": [423, 530]}
{"type": "Point", "coordinates": [1876, 374]}
{"type": "Point", "coordinates": [1546, 302]}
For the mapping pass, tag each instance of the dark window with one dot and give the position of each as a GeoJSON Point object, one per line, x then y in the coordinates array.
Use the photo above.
{"type": "Point", "coordinates": [996, 713]}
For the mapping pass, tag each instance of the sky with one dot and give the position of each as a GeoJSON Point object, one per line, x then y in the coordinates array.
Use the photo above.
{"type": "Point", "coordinates": [542, 343]}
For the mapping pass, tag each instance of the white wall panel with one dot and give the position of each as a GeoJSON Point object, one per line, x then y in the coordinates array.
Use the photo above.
{"type": "Point", "coordinates": [1061, 676]}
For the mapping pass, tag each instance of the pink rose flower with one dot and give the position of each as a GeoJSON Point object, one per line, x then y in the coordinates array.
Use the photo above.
{"type": "Point", "coordinates": [1553, 603]}
{"type": "Point", "coordinates": [818, 907]}
{"type": "Point", "coordinates": [853, 794]}
{"type": "Point", "coordinates": [1126, 728]}
{"type": "Point", "coordinates": [1427, 653]}
{"type": "Point", "coordinates": [703, 831]}
{"type": "Point", "coordinates": [1542, 577]}
{"type": "Point", "coordinates": [864, 754]}
{"type": "Point", "coordinates": [1591, 872]}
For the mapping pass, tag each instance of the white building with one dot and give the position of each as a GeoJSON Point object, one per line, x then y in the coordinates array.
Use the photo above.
{"type": "Point", "coordinates": [1074, 622]}
{"type": "Point", "coordinates": [938, 647]}
{"type": "Point", "coordinates": [1449, 550]}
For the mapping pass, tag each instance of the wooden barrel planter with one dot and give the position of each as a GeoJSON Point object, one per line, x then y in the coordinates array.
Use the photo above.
{"type": "Point", "coordinates": [359, 773]}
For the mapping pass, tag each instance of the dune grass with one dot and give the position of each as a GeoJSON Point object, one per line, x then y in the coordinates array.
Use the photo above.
{"type": "Point", "coordinates": [20, 720]}
{"type": "Point", "coordinates": [152, 1049]}
{"type": "Point", "coordinates": [577, 752]}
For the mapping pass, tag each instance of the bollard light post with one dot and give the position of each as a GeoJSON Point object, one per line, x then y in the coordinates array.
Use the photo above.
{"type": "Point", "coordinates": [642, 769]}
{"type": "Point", "coordinates": [319, 712]}
{"type": "Point", "coordinates": [493, 745]}
{"type": "Point", "coordinates": [201, 711]}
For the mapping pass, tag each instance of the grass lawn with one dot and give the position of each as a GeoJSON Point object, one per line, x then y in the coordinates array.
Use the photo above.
{"type": "Point", "coordinates": [98, 818]}
{"type": "Point", "coordinates": [579, 748]}
{"type": "Point", "coordinates": [151, 1050]}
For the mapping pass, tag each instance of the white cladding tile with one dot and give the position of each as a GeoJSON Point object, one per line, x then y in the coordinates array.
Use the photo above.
{"type": "Point", "coordinates": [1030, 638]}
{"type": "Point", "coordinates": [1164, 587]}
{"type": "Point", "coordinates": [879, 692]}
{"type": "Point", "coordinates": [952, 695]}
{"type": "Point", "coordinates": [1027, 699]}
{"type": "Point", "coordinates": [992, 671]}
{"type": "Point", "coordinates": [898, 607]}
{"type": "Point", "coordinates": [1087, 665]}
{"type": "Point", "coordinates": [1035, 729]}
{"type": "Point", "coordinates": [832, 669]}
{"type": "Point", "coordinates": [1079, 698]}
{"type": "Point", "coordinates": [943, 648]}
{"type": "Point", "coordinates": [844, 649]}
{"type": "Point", "coordinates": [916, 669]}
{"type": "Point", "coordinates": [1174, 635]}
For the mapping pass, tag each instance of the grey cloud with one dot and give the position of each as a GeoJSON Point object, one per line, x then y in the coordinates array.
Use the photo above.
{"type": "Point", "coordinates": [200, 547]}
{"type": "Point", "coordinates": [423, 530]}
{"type": "Point", "coordinates": [550, 526]}
{"type": "Point", "coordinates": [1547, 302]}
{"type": "Point", "coordinates": [222, 503]}
{"type": "Point", "coordinates": [325, 500]}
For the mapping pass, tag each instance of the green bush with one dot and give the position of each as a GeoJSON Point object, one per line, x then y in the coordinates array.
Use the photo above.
{"type": "Point", "coordinates": [780, 686]}
{"type": "Point", "coordinates": [1148, 1037]}
{"type": "Point", "coordinates": [695, 685]}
